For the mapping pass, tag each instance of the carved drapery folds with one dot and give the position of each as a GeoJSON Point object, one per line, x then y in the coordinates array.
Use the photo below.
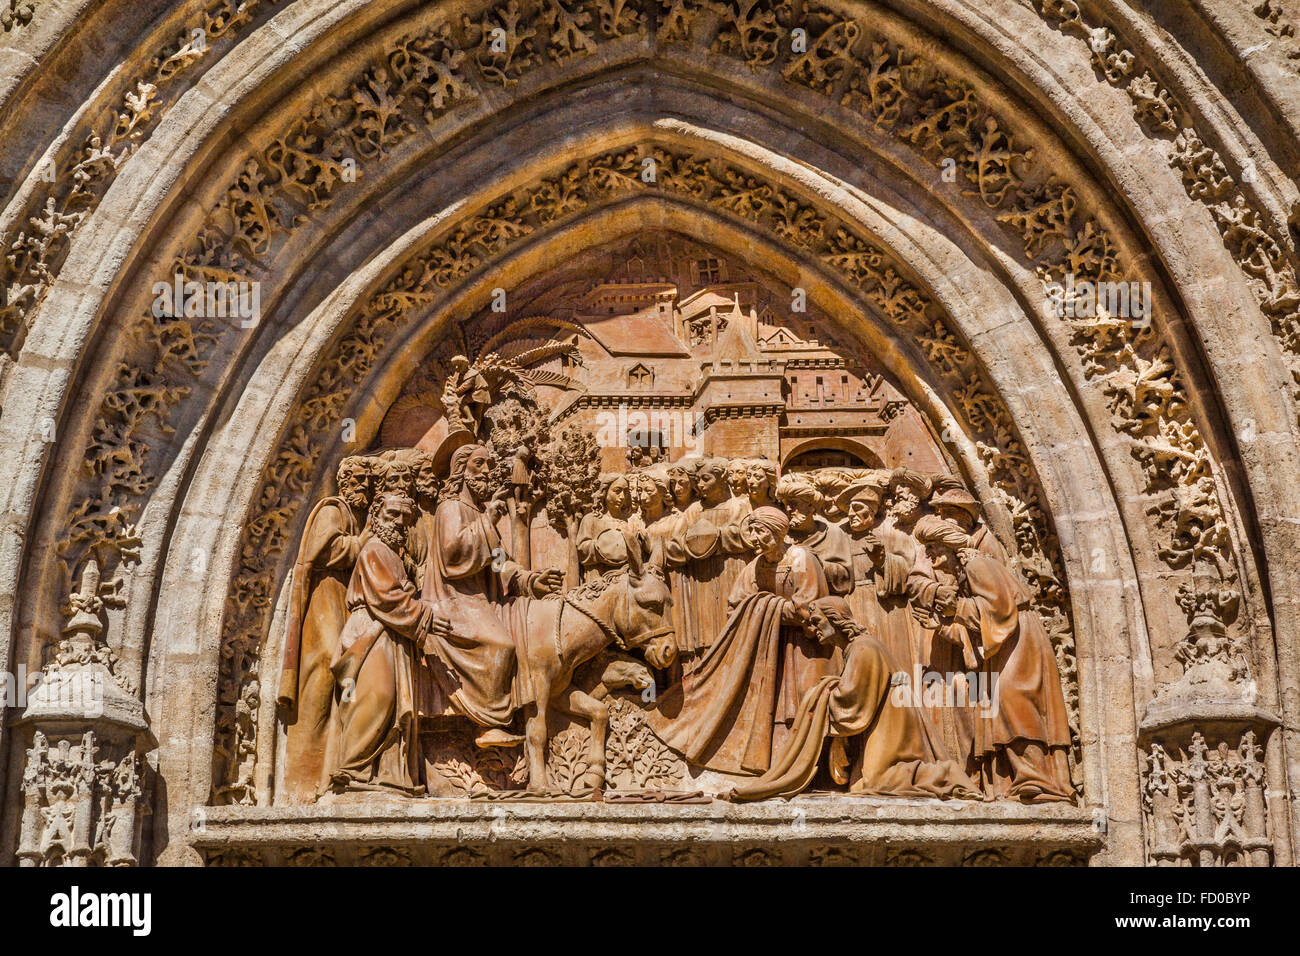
{"type": "Point", "coordinates": [940, 116]}
{"type": "Point", "coordinates": [613, 586]}
{"type": "Point", "coordinates": [691, 178]}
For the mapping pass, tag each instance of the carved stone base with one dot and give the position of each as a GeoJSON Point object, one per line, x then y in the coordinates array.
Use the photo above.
{"type": "Point", "coordinates": [816, 830]}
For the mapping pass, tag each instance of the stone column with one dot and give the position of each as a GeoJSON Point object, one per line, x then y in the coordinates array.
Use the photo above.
{"type": "Point", "coordinates": [85, 733]}
{"type": "Point", "coordinates": [1202, 747]}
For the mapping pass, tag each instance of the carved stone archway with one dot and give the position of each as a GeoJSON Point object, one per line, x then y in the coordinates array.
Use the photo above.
{"type": "Point", "coordinates": [845, 453]}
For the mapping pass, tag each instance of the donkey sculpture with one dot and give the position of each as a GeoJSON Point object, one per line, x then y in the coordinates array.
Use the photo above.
{"type": "Point", "coordinates": [626, 608]}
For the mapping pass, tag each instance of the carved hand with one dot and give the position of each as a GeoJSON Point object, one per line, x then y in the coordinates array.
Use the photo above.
{"type": "Point", "coordinates": [496, 508]}
{"type": "Point", "coordinates": [547, 582]}
{"type": "Point", "coordinates": [440, 627]}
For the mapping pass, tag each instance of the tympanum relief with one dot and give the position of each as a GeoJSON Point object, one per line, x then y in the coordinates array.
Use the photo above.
{"type": "Point", "coordinates": [662, 538]}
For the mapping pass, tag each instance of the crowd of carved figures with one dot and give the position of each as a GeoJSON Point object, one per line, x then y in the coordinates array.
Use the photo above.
{"type": "Point", "coordinates": [842, 629]}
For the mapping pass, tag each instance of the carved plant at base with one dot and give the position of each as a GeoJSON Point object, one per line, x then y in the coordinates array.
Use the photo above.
{"type": "Point", "coordinates": [566, 764]}
{"type": "Point", "coordinates": [635, 758]}
{"type": "Point", "coordinates": [480, 771]}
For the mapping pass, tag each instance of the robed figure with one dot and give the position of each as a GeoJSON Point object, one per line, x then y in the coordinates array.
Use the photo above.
{"type": "Point", "coordinates": [1022, 741]}
{"type": "Point", "coordinates": [473, 670]}
{"type": "Point", "coordinates": [723, 713]}
{"type": "Point", "coordinates": [318, 610]}
{"type": "Point", "coordinates": [895, 753]}
{"type": "Point", "coordinates": [373, 665]}
{"type": "Point", "coordinates": [608, 538]}
{"type": "Point", "coordinates": [707, 553]}
{"type": "Point", "coordinates": [808, 529]}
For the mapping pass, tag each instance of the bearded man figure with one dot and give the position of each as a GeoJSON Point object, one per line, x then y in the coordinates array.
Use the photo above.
{"type": "Point", "coordinates": [906, 586]}
{"type": "Point", "coordinates": [469, 575]}
{"type": "Point", "coordinates": [317, 612]}
{"type": "Point", "coordinates": [373, 665]}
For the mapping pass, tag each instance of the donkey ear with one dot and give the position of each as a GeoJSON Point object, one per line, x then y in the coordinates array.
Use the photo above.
{"type": "Point", "coordinates": [634, 559]}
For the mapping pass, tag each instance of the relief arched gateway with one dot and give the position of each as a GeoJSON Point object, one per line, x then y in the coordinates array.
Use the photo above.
{"type": "Point", "coordinates": [1141, 384]}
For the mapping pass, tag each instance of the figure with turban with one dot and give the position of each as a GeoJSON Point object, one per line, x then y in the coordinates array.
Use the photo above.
{"type": "Point", "coordinates": [1021, 742]}
{"type": "Point", "coordinates": [943, 532]}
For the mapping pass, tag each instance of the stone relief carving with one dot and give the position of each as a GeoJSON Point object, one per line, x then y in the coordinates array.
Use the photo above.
{"type": "Point", "coordinates": [704, 627]}
{"type": "Point", "coordinates": [1204, 802]}
{"type": "Point", "coordinates": [17, 14]}
{"type": "Point", "coordinates": [951, 122]}
{"type": "Point", "coordinates": [71, 186]}
{"type": "Point", "coordinates": [864, 263]}
{"type": "Point", "coordinates": [82, 790]}
{"type": "Point", "coordinates": [945, 120]}
{"type": "Point", "coordinates": [1142, 384]}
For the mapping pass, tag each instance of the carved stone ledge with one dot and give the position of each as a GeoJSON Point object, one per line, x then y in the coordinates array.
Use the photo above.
{"type": "Point", "coordinates": [1172, 714]}
{"type": "Point", "coordinates": [807, 830]}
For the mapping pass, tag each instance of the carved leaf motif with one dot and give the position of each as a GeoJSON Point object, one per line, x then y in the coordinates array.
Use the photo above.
{"type": "Point", "coordinates": [751, 31]}
{"type": "Point", "coordinates": [504, 44]}
{"type": "Point", "coordinates": [567, 764]}
{"type": "Point", "coordinates": [378, 123]}
{"type": "Point", "coordinates": [619, 17]}
{"type": "Point", "coordinates": [568, 34]}
{"type": "Point", "coordinates": [828, 58]}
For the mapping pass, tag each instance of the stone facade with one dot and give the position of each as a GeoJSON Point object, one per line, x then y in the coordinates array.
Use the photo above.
{"type": "Point", "coordinates": [690, 276]}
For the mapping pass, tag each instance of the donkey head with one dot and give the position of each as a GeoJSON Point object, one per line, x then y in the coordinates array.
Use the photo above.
{"type": "Point", "coordinates": [641, 616]}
